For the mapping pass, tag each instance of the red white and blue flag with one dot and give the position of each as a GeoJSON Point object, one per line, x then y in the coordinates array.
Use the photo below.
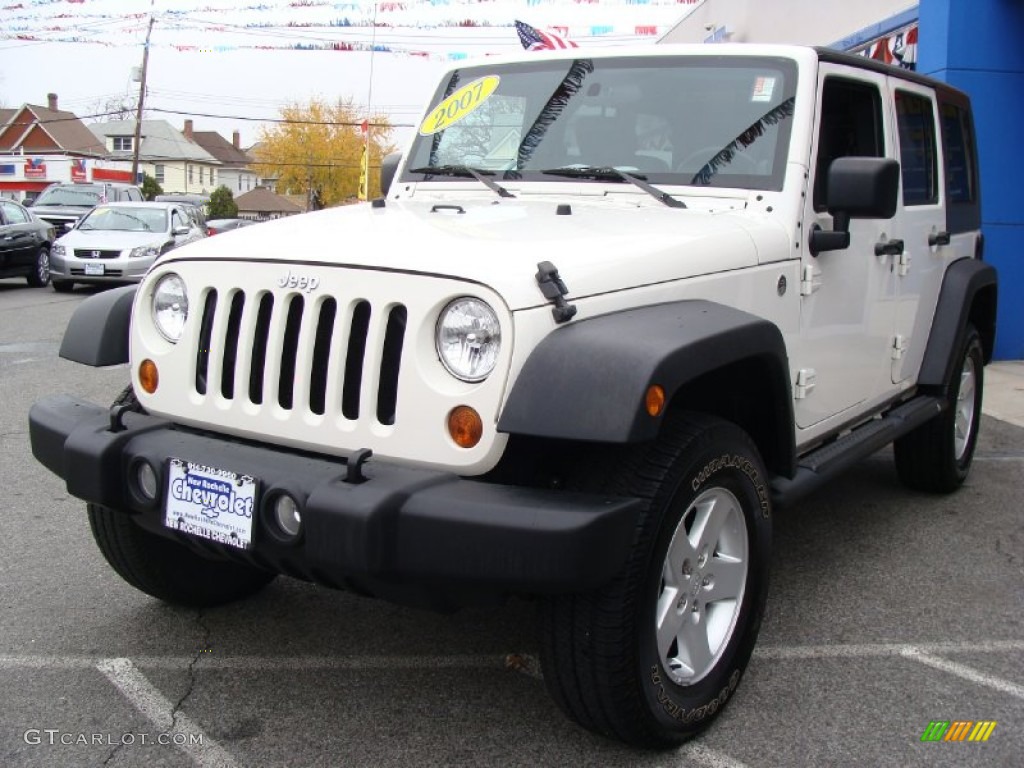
{"type": "Point", "coordinates": [535, 40]}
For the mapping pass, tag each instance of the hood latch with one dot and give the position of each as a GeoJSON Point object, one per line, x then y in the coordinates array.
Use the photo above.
{"type": "Point", "coordinates": [554, 290]}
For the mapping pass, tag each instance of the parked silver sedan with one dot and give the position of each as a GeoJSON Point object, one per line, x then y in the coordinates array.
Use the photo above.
{"type": "Point", "coordinates": [118, 243]}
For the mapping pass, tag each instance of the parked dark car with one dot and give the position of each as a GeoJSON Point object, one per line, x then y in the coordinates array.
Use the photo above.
{"type": "Point", "coordinates": [64, 204]}
{"type": "Point", "coordinates": [25, 242]}
{"type": "Point", "coordinates": [216, 226]}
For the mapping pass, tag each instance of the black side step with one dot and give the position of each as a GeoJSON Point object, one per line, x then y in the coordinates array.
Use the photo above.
{"type": "Point", "coordinates": [820, 466]}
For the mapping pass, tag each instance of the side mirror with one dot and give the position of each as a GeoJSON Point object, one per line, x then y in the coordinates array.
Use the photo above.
{"type": "Point", "coordinates": [181, 231]}
{"type": "Point", "coordinates": [388, 167]}
{"type": "Point", "coordinates": [856, 188]}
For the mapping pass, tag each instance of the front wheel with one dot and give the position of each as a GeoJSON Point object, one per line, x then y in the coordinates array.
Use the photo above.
{"type": "Point", "coordinates": [654, 656]}
{"type": "Point", "coordinates": [164, 568]}
{"type": "Point", "coordinates": [936, 456]}
{"type": "Point", "coordinates": [39, 277]}
{"type": "Point", "coordinates": [167, 570]}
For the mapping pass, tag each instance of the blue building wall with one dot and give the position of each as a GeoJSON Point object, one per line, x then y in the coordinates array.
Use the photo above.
{"type": "Point", "coordinates": [978, 46]}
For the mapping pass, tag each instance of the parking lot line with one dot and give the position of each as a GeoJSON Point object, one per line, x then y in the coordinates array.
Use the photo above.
{"type": "Point", "coordinates": [860, 650]}
{"type": "Point", "coordinates": [159, 711]}
{"type": "Point", "coordinates": [709, 757]}
{"type": "Point", "coordinates": [967, 673]}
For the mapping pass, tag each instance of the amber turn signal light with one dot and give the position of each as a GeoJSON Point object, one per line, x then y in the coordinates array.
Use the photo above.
{"type": "Point", "coordinates": [465, 426]}
{"type": "Point", "coordinates": [654, 401]}
{"type": "Point", "coordinates": [148, 376]}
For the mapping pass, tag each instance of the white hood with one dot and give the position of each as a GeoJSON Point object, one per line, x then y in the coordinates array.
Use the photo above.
{"type": "Point", "coordinates": [499, 243]}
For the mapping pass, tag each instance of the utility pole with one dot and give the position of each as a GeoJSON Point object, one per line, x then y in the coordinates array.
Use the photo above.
{"type": "Point", "coordinates": [142, 98]}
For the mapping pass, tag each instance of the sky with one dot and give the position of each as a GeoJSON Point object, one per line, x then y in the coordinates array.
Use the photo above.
{"type": "Point", "coordinates": [231, 64]}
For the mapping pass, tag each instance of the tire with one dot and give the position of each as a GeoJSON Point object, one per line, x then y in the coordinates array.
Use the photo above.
{"type": "Point", "coordinates": [63, 286]}
{"type": "Point", "coordinates": [163, 568]}
{"type": "Point", "coordinates": [39, 277]}
{"type": "Point", "coordinates": [625, 661]}
{"type": "Point", "coordinates": [936, 457]}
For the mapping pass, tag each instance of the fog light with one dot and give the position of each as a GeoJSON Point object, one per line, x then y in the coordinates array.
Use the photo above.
{"type": "Point", "coordinates": [465, 426]}
{"type": "Point", "coordinates": [145, 478]}
{"type": "Point", "coordinates": [149, 378]}
{"type": "Point", "coordinates": [287, 516]}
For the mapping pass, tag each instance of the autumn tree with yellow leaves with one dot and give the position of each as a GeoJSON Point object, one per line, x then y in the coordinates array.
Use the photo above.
{"type": "Point", "coordinates": [317, 148]}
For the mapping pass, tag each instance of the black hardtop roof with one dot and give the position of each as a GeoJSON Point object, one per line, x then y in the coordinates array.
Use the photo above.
{"type": "Point", "coordinates": [863, 62]}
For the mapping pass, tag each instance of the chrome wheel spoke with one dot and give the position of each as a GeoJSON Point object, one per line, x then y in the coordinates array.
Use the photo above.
{"type": "Point", "coordinates": [727, 578]}
{"type": "Point", "coordinates": [670, 621]}
{"type": "Point", "coordinates": [707, 525]}
{"type": "Point", "coordinates": [694, 649]}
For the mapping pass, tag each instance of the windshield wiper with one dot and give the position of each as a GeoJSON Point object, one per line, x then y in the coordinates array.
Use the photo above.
{"type": "Point", "coordinates": [609, 173]}
{"type": "Point", "coordinates": [132, 217]}
{"type": "Point", "coordinates": [463, 170]}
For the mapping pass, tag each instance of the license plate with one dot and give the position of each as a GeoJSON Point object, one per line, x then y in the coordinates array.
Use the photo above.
{"type": "Point", "coordinates": [211, 503]}
{"type": "Point", "coordinates": [94, 269]}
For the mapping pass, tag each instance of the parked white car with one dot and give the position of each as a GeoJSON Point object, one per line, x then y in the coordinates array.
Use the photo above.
{"type": "Point", "coordinates": [118, 242]}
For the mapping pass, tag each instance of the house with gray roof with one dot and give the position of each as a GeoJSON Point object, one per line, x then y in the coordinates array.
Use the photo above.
{"type": "Point", "coordinates": [234, 172]}
{"type": "Point", "coordinates": [178, 163]}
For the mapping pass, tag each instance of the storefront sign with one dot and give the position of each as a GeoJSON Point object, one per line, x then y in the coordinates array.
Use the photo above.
{"type": "Point", "coordinates": [35, 168]}
{"type": "Point", "coordinates": [8, 169]}
{"type": "Point", "coordinates": [78, 170]}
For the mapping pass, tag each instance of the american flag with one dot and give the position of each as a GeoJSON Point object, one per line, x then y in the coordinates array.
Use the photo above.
{"type": "Point", "coordinates": [535, 40]}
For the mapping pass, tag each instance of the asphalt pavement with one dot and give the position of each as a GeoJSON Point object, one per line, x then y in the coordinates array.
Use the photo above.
{"type": "Point", "coordinates": [888, 610]}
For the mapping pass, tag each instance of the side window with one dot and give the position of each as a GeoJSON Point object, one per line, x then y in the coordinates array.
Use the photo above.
{"type": "Point", "coordinates": [919, 167]}
{"type": "Point", "coordinates": [177, 220]}
{"type": "Point", "coordinates": [134, 194]}
{"type": "Point", "coordinates": [851, 126]}
{"type": "Point", "coordinates": [958, 145]}
{"type": "Point", "coordinates": [13, 214]}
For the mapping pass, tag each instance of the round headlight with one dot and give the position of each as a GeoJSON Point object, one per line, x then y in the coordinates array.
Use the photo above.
{"type": "Point", "coordinates": [170, 307]}
{"type": "Point", "coordinates": [468, 339]}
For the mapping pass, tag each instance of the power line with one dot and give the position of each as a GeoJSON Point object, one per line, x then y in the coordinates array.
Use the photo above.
{"type": "Point", "coordinates": [353, 123]}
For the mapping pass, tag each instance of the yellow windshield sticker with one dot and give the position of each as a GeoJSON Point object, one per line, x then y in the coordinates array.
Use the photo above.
{"type": "Point", "coordinates": [459, 105]}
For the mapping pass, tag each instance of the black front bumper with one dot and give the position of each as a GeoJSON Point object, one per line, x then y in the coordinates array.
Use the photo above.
{"type": "Point", "coordinates": [401, 526]}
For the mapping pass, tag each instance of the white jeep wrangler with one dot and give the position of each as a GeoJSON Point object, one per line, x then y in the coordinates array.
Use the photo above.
{"type": "Point", "coordinates": [616, 307]}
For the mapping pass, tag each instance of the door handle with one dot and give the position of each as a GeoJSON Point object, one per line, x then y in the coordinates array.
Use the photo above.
{"type": "Point", "coordinates": [938, 238]}
{"type": "Point", "coordinates": [889, 248]}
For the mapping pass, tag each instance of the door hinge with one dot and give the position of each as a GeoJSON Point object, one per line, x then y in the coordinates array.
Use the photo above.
{"type": "Point", "coordinates": [809, 280]}
{"type": "Point", "coordinates": [899, 346]}
{"type": "Point", "coordinates": [903, 264]}
{"type": "Point", "coordinates": [806, 378]}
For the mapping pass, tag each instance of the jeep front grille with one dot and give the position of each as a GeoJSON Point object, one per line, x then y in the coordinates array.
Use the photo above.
{"type": "Point", "coordinates": [260, 346]}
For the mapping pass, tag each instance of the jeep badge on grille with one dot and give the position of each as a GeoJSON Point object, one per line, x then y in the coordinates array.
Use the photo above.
{"type": "Point", "coordinates": [302, 282]}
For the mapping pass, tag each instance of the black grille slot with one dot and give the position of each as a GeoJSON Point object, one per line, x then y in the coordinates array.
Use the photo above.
{"type": "Point", "coordinates": [259, 348]}
{"type": "Point", "coordinates": [227, 371]}
{"type": "Point", "coordinates": [354, 360]}
{"type": "Point", "coordinates": [390, 364]}
{"type": "Point", "coordinates": [321, 355]}
{"type": "Point", "coordinates": [205, 333]}
{"type": "Point", "coordinates": [289, 350]}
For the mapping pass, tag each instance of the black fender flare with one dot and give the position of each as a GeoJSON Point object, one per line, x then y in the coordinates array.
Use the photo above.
{"type": "Point", "coordinates": [97, 334]}
{"type": "Point", "coordinates": [968, 293]}
{"type": "Point", "coordinates": [588, 380]}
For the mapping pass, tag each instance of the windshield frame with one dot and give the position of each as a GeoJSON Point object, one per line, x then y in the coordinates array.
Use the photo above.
{"type": "Point", "coordinates": [719, 170]}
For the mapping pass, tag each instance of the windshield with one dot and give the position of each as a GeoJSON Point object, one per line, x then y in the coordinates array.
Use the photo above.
{"type": "Point", "coordinates": [125, 220]}
{"type": "Point", "coordinates": [74, 194]}
{"type": "Point", "coordinates": [695, 120]}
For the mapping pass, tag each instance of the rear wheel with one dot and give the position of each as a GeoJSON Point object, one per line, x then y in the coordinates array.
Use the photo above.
{"type": "Point", "coordinates": [163, 568]}
{"type": "Point", "coordinates": [936, 456]}
{"type": "Point", "coordinates": [655, 655]}
{"type": "Point", "coordinates": [39, 277]}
